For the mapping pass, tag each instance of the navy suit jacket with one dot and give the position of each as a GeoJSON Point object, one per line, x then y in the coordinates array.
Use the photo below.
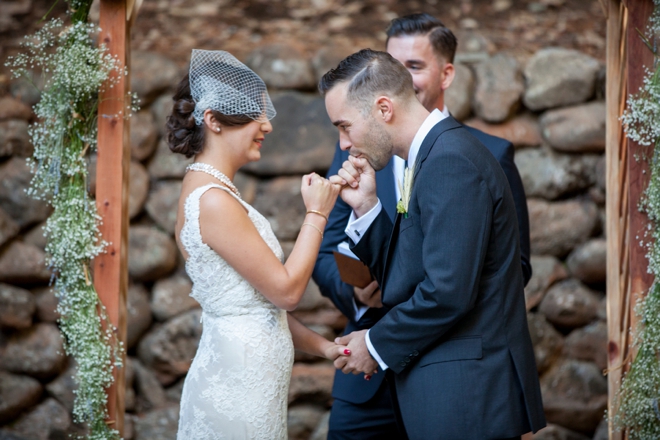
{"type": "Point", "coordinates": [455, 334]}
{"type": "Point", "coordinates": [353, 388]}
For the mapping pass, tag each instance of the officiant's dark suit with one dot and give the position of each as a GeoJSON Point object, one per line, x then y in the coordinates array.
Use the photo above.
{"type": "Point", "coordinates": [353, 389]}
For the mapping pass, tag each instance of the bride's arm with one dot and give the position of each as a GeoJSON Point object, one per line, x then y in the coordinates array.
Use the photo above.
{"type": "Point", "coordinates": [312, 343]}
{"type": "Point", "coordinates": [227, 229]}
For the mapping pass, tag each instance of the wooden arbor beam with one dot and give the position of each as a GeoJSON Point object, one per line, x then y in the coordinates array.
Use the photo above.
{"type": "Point", "coordinates": [616, 157]}
{"type": "Point", "coordinates": [627, 178]}
{"type": "Point", "coordinates": [112, 180]}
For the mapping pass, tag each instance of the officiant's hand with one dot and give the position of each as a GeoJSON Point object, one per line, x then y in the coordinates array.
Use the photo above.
{"type": "Point", "coordinates": [360, 360]}
{"type": "Point", "coordinates": [369, 296]}
{"type": "Point", "coordinates": [358, 181]}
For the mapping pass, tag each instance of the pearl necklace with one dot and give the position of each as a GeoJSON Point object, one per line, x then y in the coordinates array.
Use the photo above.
{"type": "Point", "coordinates": [209, 169]}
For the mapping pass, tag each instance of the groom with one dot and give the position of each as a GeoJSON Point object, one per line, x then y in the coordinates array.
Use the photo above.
{"type": "Point", "coordinates": [455, 342]}
{"type": "Point", "coordinates": [363, 409]}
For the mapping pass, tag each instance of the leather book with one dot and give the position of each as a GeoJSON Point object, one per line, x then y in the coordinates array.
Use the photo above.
{"type": "Point", "coordinates": [351, 270]}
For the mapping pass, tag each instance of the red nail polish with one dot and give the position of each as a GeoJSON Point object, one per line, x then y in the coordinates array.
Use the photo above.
{"type": "Point", "coordinates": [347, 351]}
{"type": "Point", "coordinates": [367, 377]}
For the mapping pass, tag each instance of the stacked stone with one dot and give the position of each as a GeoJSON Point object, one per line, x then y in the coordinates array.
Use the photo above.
{"type": "Point", "coordinates": [34, 396]}
{"type": "Point", "coordinates": [551, 109]}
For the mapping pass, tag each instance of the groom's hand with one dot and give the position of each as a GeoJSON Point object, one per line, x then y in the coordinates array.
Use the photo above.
{"type": "Point", "coordinates": [360, 360]}
{"type": "Point", "coordinates": [358, 181]}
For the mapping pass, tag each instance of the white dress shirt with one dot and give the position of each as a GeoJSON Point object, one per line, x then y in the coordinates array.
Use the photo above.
{"type": "Point", "coordinates": [358, 226]}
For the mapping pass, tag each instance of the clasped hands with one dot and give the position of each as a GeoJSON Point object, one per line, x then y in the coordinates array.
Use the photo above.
{"type": "Point", "coordinates": [358, 181]}
{"type": "Point", "coordinates": [360, 360]}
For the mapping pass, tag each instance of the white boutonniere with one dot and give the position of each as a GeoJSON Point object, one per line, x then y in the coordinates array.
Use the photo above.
{"type": "Point", "coordinates": [405, 190]}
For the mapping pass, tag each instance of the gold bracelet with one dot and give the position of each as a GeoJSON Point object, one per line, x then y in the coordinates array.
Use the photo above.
{"type": "Point", "coordinates": [314, 211]}
{"type": "Point", "coordinates": [315, 227]}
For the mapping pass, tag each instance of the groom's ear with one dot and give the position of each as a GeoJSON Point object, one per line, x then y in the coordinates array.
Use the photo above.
{"type": "Point", "coordinates": [384, 108]}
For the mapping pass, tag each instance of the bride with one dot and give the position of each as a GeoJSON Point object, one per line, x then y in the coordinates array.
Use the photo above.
{"type": "Point", "coordinates": [238, 383]}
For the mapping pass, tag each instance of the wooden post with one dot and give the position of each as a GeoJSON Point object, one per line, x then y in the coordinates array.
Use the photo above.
{"type": "Point", "coordinates": [627, 178]}
{"type": "Point", "coordinates": [639, 57]}
{"type": "Point", "coordinates": [111, 268]}
{"type": "Point", "coordinates": [616, 202]}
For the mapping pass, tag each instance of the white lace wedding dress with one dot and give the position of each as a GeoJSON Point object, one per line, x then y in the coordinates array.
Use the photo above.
{"type": "Point", "coordinates": [238, 383]}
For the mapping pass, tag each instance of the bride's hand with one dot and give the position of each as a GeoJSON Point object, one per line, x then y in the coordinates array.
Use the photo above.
{"type": "Point", "coordinates": [318, 193]}
{"type": "Point", "coordinates": [333, 351]}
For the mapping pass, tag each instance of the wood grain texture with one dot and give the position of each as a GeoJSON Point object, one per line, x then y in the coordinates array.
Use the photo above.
{"type": "Point", "coordinates": [638, 57]}
{"type": "Point", "coordinates": [616, 197]}
{"type": "Point", "coordinates": [627, 178]}
{"type": "Point", "coordinates": [111, 268]}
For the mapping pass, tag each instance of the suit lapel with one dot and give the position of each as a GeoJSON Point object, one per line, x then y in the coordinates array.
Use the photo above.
{"type": "Point", "coordinates": [385, 189]}
{"type": "Point", "coordinates": [427, 145]}
{"type": "Point", "coordinates": [390, 249]}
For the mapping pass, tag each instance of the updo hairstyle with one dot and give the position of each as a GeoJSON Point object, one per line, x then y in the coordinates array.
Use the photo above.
{"type": "Point", "coordinates": [183, 134]}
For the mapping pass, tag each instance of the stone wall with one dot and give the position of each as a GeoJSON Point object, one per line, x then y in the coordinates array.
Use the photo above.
{"type": "Point", "coordinates": [551, 108]}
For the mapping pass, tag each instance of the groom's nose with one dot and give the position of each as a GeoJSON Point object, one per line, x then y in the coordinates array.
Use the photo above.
{"type": "Point", "coordinates": [344, 142]}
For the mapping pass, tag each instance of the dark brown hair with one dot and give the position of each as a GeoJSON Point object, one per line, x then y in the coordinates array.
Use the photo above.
{"type": "Point", "coordinates": [442, 39]}
{"type": "Point", "coordinates": [183, 134]}
{"type": "Point", "coordinates": [368, 72]}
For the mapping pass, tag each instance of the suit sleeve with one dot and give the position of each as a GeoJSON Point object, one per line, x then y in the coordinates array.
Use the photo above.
{"type": "Point", "coordinates": [518, 192]}
{"type": "Point", "coordinates": [455, 219]}
{"type": "Point", "coordinates": [326, 274]}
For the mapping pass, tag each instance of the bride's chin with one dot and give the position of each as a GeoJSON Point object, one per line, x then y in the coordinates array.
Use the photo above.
{"type": "Point", "coordinates": [254, 157]}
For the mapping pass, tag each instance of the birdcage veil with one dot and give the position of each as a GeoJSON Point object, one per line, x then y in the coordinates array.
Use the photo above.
{"type": "Point", "coordinates": [218, 81]}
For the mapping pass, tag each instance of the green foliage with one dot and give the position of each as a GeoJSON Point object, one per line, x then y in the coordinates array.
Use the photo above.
{"type": "Point", "coordinates": [76, 70]}
{"type": "Point", "coordinates": [637, 403]}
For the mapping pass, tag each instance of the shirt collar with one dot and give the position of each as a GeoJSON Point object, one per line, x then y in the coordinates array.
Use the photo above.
{"type": "Point", "coordinates": [431, 120]}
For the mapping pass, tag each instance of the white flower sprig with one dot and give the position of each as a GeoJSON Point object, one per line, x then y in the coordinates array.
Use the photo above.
{"type": "Point", "coordinates": [405, 190]}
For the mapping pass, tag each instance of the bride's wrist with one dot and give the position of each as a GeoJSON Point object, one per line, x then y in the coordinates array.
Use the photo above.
{"type": "Point", "coordinates": [316, 219]}
{"type": "Point", "coordinates": [326, 349]}
{"type": "Point", "coordinates": [318, 213]}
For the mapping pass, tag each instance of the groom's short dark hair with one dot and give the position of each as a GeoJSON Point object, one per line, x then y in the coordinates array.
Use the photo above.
{"type": "Point", "coordinates": [441, 37]}
{"type": "Point", "coordinates": [367, 73]}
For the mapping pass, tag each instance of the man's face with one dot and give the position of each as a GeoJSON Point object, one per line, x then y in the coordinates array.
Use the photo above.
{"type": "Point", "coordinates": [427, 70]}
{"type": "Point", "coordinates": [359, 134]}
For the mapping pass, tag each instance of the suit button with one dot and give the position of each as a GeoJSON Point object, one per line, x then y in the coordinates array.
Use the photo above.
{"type": "Point", "coordinates": [407, 361]}
{"type": "Point", "coordinates": [403, 364]}
{"type": "Point", "coordinates": [415, 353]}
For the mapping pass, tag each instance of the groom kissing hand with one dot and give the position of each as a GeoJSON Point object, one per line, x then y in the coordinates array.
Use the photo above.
{"type": "Point", "coordinates": [454, 341]}
{"type": "Point", "coordinates": [426, 47]}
